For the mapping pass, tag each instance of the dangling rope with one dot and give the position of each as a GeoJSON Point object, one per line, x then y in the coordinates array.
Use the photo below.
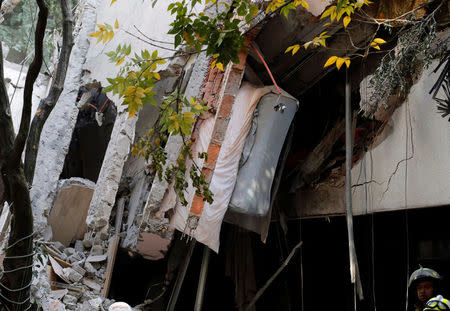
{"type": "Point", "coordinates": [267, 68]}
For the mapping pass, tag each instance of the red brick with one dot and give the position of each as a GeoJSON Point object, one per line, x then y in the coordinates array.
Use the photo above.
{"type": "Point", "coordinates": [208, 173]}
{"type": "Point", "coordinates": [213, 154]}
{"type": "Point", "coordinates": [212, 74]}
{"type": "Point", "coordinates": [197, 205]}
{"type": "Point", "coordinates": [242, 61]}
{"type": "Point", "coordinates": [226, 106]}
{"type": "Point", "coordinates": [217, 83]}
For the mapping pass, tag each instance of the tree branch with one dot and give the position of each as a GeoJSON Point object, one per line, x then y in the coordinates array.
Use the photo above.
{"type": "Point", "coordinates": [46, 105]}
{"type": "Point", "coordinates": [17, 274]}
{"type": "Point", "coordinates": [33, 73]}
{"type": "Point", "coordinates": [6, 125]}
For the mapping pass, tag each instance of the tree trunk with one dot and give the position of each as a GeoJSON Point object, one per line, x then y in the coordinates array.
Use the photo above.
{"type": "Point", "coordinates": [46, 105]}
{"type": "Point", "coordinates": [18, 262]}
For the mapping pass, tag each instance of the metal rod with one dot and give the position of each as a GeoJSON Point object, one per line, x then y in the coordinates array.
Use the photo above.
{"type": "Point", "coordinates": [202, 280]}
{"type": "Point", "coordinates": [273, 277]}
{"type": "Point", "coordinates": [180, 278]}
{"type": "Point", "coordinates": [354, 273]}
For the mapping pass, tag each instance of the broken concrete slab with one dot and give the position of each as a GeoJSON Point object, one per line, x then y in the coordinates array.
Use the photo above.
{"type": "Point", "coordinates": [72, 275]}
{"type": "Point", "coordinates": [97, 258]}
{"type": "Point", "coordinates": [59, 293]}
{"type": "Point", "coordinates": [147, 222]}
{"type": "Point", "coordinates": [57, 131]}
{"type": "Point", "coordinates": [108, 181]}
{"type": "Point", "coordinates": [92, 284]}
{"type": "Point", "coordinates": [97, 250]}
{"type": "Point", "coordinates": [68, 215]}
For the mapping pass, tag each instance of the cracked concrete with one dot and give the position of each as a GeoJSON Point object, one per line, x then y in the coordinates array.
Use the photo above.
{"type": "Point", "coordinates": [57, 131]}
{"type": "Point", "coordinates": [414, 153]}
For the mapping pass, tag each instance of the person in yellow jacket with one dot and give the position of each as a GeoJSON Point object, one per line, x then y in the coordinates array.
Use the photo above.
{"type": "Point", "coordinates": [437, 303]}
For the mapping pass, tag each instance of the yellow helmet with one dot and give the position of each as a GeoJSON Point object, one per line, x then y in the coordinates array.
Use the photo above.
{"type": "Point", "coordinates": [437, 303]}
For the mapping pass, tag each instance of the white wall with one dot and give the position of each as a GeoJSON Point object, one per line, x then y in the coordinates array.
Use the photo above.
{"type": "Point", "coordinates": [153, 22]}
{"type": "Point", "coordinates": [13, 72]}
{"type": "Point", "coordinates": [420, 135]}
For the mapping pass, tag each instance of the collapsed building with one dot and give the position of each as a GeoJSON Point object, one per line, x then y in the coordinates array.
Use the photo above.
{"type": "Point", "coordinates": [112, 230]}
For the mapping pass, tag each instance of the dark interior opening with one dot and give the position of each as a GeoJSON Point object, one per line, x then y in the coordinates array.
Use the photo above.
{"type": "Point", "coordinates": [91, 135]}
{"type": "Point", "coordinates": [389, 245]}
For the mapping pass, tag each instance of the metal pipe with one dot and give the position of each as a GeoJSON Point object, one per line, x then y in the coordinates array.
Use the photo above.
{"type": "Point", "coordinates": [202, 280]}
{"type": "Point", "coordinates": [354, 273]}
{"type": "Point", "coordinates": [180, 278]}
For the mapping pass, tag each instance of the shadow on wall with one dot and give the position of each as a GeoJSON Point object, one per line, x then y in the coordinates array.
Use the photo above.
{"type": "Point", "coordinates": [91, 135]}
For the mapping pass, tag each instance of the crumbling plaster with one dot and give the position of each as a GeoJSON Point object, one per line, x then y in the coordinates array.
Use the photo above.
{"type": "Point", "coordinates": [408, 169]}
{"type": "Point", "coordinates": [57, 131]}
{"type": "Point", "coordinates": [154, 22]}
{"type": "Point", "coordinates": [411, 166]}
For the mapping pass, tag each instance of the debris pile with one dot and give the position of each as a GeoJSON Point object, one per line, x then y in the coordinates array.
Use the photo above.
{"type": "Point", "coordinates": [72, 278]}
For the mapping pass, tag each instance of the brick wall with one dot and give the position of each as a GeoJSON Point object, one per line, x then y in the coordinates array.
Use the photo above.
{"type": "Point", "coordinates": [219, 91]}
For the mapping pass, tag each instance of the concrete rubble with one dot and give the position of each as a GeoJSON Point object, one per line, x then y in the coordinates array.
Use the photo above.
{"type": "Point", "coordinates": [72, 278]}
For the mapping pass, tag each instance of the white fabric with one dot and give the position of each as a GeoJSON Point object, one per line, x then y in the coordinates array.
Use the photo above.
{"type": "Point", "coordinates": [224, 178]}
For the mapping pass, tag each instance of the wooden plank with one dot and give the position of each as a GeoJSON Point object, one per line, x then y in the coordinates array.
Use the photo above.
{"type": "Point", "coordinates": [51, 276]}
{"type": "Point", "coordinates": [58, 269]}
{"type": "Point", "coordinates": [112, 251]}
{"type": "Point", "coordinates": [52, 251]}
{"type": "Point", "coordinates": [113, 246]}
{"type": "Point", "coordinates": [63, 263]}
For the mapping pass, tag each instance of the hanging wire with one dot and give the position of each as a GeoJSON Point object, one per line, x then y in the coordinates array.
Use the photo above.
{"type": "Point", "coordinates": [15, 270]}
{"type": "Point", "coordinates": [369, 197]}
{"type": "Point", "coordinates": [408, 127]}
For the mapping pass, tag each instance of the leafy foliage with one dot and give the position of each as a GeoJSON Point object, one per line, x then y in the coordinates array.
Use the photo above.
{"type": "Point", "coordinates": [219, 35]}
{"type": "Point", "coordinates": [334, 13]}
{"type": "Point", "coordinates": [176, 117]}
{"type": "Point", "coordinates": [105, 32]}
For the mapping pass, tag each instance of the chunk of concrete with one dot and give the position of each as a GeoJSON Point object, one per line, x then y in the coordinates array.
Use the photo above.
{"type": "Point", "coordinates": [59, 293]}
{"type": "Point", "coordinates": [72, 275]}
{"type": "Point", "coordinates": [97, 258]}
{"type": "Point", "coordinates": [70, 300]}
{"type": "Point", "coordinates": [79, 247]}
{"type": "Point", "coordinates": [92, 284]}
{"type": "Point", "coordinates": [97, 250]}
{"type": "Point", "coordinates": [96, 302]}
